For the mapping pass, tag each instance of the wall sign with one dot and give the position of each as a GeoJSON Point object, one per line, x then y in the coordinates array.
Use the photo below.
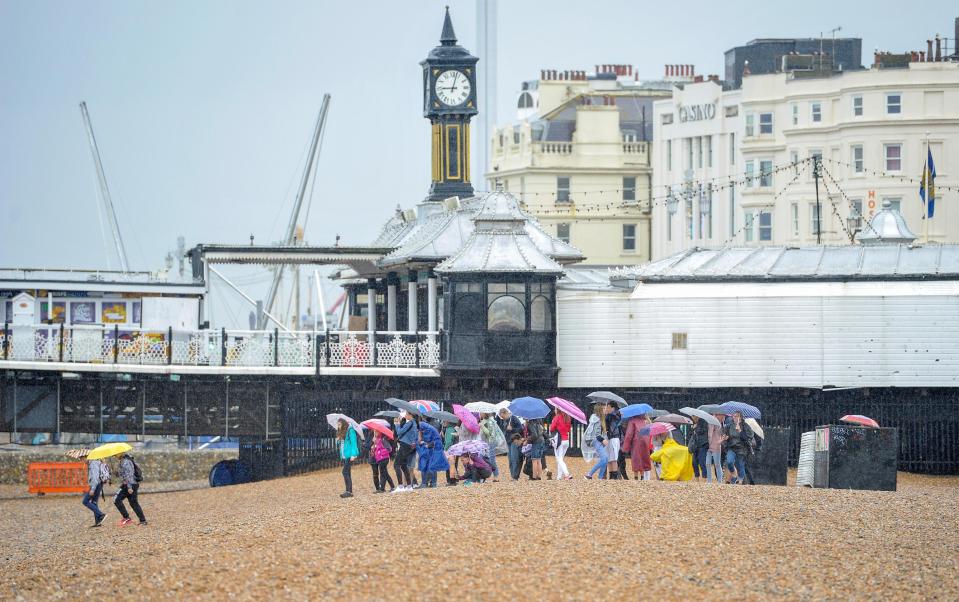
{"type": "Point", "coordinates": [697, 112]}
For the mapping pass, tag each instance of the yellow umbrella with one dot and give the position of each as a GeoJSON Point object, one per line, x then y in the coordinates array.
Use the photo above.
{"type": "Point", "coordinates": [77, 454]}
{"type": "Point", "coordinates": [107, 450]}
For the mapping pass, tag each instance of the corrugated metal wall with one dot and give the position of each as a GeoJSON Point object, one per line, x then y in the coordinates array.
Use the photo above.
{"type": "Point", "coordinates": [759, 341]}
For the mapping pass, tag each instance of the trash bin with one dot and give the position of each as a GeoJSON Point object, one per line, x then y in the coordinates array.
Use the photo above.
{"type": "Point", "coordinates": [768, 466]}
{"type": "Point", "coordinates": [856, 457]}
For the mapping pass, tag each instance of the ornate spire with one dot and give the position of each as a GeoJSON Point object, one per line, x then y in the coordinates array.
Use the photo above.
{"type": "Point", "coordinates": [448, 37]}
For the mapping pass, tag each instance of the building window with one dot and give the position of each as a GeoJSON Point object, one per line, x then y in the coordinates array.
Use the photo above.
{"type": "Point", "coordinates": [709, 151]}
{"type": "Point", "coordinates": [815, 156]}
{"type": "Point", "coordinates": [525, 101]}
{"type": "Point", "coordinates": [816, 110]}
{"type": "Point", "coordinates": [815, 221]}
{"type": "Point", "coordinates": [506, 310]}
{"type": "Point", "coordinates": [629, 237]}
{"type": "Point", "coordinates": [857, 166]}
{"type": "Point", "coordinates": [669, 155]}
{"type": "Point", "coordinates": [732, 210]}
{"type": "Point", "coordinates": [794, 213]}
{"type": "Point", "coordinates": [893, 104]}
{"type": "Point", "coordinates": [750, 173]}
{"type": "Point", "coordinates": [893, 154]}
{"type": "Point", "coordinates": [895, 202]}
{"type": "Point", "coordinates": [750, 127]}
{"type": "Point", "coordinates": [795, 111]}
{"type": "Point", "coordinates": [699, 151]}
{"type": "Point", "coordinates": [765, 123]}
{"type": "Point", "coordinates": [857, 106]}
{"type": "Point", "coordinates": [690, 226]}
{"type": "Point", "coordinates": [629, 188]}
{"type": "Point", "coordinates": [794, 160]}
{"type": "Point", "coordinates": [516, 135]}
{"type": "Point", "coordinates": [667, 118]}
{"type": "Point", "coordinates": [854, 223]}
{"type": "Point", "coordinates": [766, 173]}
{"type": "Point", "coordinates": [680, 340]}
{"type": "Point", "coordinates": [562, 232]}
{"type": "Point", "coordinates": [562, 189]}
{"type": "Point", "coordinates": [689, 152]}
{"type": "Point", "coordinates": [748, 218]}
{"type": "Point", "coordinates": [732, 148]}
{"type": "Point", "coordinates": [541, 307]}
{"type": "Point", "coordinates": [765, 226]}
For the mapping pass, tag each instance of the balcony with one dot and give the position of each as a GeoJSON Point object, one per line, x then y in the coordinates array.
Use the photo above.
{"type": "Point", "coordinates": [573, 155]}
{"type": "Point", "coordinates": [114, 349]}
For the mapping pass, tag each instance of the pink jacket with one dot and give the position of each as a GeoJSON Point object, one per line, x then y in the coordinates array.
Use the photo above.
{"type": "Point", "coordinates": [381, 449]}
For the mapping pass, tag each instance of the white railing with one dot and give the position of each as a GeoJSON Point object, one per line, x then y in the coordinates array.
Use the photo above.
{"type": "Point", "coordinates": [253, 348]}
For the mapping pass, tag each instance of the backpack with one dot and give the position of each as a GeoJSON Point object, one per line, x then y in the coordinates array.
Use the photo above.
{"type": "Point", "coordinates": [137, 473]}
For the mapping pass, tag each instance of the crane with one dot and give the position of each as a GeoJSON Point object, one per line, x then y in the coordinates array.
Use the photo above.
{"type": "Point", "coordinates": [105, 190]}
{"type": "Point", "coordinates": [293, 234]}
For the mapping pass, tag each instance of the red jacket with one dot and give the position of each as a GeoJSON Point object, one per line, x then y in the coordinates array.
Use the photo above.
{"type": "Point", "coordinates": [637, 445]}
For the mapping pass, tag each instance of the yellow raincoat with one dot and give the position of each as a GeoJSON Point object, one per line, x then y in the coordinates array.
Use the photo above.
{"type": "Point", "coordinates": [676, 460]}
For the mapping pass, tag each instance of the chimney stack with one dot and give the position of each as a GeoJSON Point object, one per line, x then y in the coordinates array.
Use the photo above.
{"type": "Point", "coordinates": [938, 48]}
{"type": "Point", "coordinates": [929, 50]}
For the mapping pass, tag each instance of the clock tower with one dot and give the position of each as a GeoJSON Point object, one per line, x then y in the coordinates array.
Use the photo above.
{"type": "Point", "coordinates": [449, 102]}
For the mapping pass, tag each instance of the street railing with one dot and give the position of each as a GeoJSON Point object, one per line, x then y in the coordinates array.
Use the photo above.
{"type": "Point", "coordinates": [253, 348]}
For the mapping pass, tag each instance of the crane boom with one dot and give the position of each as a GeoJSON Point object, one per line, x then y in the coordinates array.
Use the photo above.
{"type": "Point", "coordinates": [290, 237]}
{"type": "Point", "coordinates": [105, 190]}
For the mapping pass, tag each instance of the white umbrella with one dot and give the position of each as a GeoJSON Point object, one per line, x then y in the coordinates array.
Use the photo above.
{"type": "Point", "coordinates": [503, 404]}
{"type": "Point", "coordinates": [481, 407]}
{"type": "Point", "coordinates": [333, 419]}
{"type": "Point", "coordinates": [606, 397]}
{"type": "Point", "coordinates": [709, 418]}
{"type": "Point", "coordinates": [755, 426]}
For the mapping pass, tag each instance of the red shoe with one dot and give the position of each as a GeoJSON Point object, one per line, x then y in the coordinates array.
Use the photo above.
{"type": "Point", "coordinates": [126, 521]}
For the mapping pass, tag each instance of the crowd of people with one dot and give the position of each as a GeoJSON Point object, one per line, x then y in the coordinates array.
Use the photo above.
{"type": "Point", "coordinates": [419, 445]}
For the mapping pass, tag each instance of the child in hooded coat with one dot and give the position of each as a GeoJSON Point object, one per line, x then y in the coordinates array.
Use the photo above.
{"type": "Point", "coordinates": [432, 458]}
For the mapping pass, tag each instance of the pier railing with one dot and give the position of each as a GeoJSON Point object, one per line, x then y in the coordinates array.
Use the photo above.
{"type": "Point", "coordinates": [252, 348]}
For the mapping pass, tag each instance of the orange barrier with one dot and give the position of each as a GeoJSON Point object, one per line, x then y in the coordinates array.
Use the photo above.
{"type": "Point", "coordinates": [56, 477]}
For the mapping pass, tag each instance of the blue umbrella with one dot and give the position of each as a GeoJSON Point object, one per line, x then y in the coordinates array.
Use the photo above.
{"type": "Point", "coordinates": [636, 409]}
{"type": "Point", "coordinates": [745, 409]}
{"type": "Point", "coordinates": [529, 407]}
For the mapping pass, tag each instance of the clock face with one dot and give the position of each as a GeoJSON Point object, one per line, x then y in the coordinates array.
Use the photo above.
{"type": "Point", "coordinates": [452, 87]}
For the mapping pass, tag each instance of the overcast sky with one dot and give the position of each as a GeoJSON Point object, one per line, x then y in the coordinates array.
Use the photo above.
{"type": "Point", "coordinates": [203, 110]}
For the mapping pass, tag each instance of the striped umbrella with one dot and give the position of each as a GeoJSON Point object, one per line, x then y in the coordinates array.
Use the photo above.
{"type": "Point", "coordinates": [860, 420]}
{"type": "Point", "coordinates": [472, 446]}
{"type": "Point", "coordinates": [745, 409]}
{"type": "Point", "coordinates": [425, 405]}
{"type": "Point", "coordinates": [656, 428]}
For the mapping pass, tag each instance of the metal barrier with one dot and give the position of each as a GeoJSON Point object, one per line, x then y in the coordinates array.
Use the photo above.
{"type": "Point", "coordinates": [56, 477]}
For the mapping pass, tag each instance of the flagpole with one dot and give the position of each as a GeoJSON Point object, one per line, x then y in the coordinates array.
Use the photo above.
{"type": "Point", "coordinates": [925, 179]}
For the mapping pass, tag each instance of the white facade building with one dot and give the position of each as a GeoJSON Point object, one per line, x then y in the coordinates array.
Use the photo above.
{"type": "Point", "coordinates": [869, 127]}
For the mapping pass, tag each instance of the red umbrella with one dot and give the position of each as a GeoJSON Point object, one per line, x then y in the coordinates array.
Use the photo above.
{"type": "Point", "coordinates": [466, 417]}
{"type": "Point", "coordinates": [860, 420]}
{"type": "Point", "coordinates": [380, 426]}
{"type": "Point", "coordinates": [657, 428]}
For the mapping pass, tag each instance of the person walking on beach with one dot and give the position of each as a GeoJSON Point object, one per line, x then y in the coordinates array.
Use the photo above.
{"type": "Point", "coordinates": [381, 458]}
{"type": "Point", "coordinates": [614, 434]}
{"type": "Point", "coordinates": [492, 435]}
{"type": "Point", "coordinates": [510, 425]}
{"type": "Point", "coordinates": [598, 443]}
{"type": "Point", "coordinates": [98, 474]}
{"type": "Point", "coordinates": [714, 449]}
{"type": "Point", "coordinates": [594, 427]}
{"type": "Point", "coordinates": [432, 458]}
{"type": "Point", "coordinates": [737, 446]}
{"type": "Point", "coordinates": [560, 427]}
{"type": "Point", "coordinates": [130, 477]}
{"type": "Point", "coordinates": [406, 436]}
{"type": "Point", "coordinates": [534, 437]}
{"type": "Point", "coordinates": [638, 447]}
{"type": "Point", "coordinates": [698, 443]}
{"type": "Point", "coordinates": [349, 449]}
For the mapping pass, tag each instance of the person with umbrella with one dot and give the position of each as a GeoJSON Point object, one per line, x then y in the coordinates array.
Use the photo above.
{"type": "Point", "coordinates": [614, 433]}
{"type": "Point", "coordinates": [406, 436]}
{"type": "Point", "coordinates": [511, 425]}
{"type": "Point", "coordinates": [561, 426]}
{"type": "Point", "coordinates": [537, 442]}
{"type": "Point", "coordinates": [597, 440]}
{"type": "Point", "coordinates": [476, 468]}
{"type": "Point", "coordinates": [737, 438]}
{"type": "Point", "coordinates": [637, 444]}
{"type": "Point", "coordinates": [381, 458]}
{"type": "Point", "coordinates": [698, 443]}
{"type": "Point", "coordinates": [129, 488]}
{"type": "Point", "coordinates": [675, 459]}
{"type": "Point", "coordinates": [349, 449]}
{"type": "Point", "coordinates": [98, 474]}
{"type": "Point", "coordinates": [493, 436]}
{"type": "Point", "coordinates": [432, 459]}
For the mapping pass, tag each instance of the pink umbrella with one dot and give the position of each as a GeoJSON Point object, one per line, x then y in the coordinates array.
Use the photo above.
{"type": "Point", "coordinates": [860, 420]}
{"type": "Point", "coordinates": [466, 417]}
{"type": "Point", "coordinates": [657, 428]}
{"type": "Point", "coordinates": [568, 407]}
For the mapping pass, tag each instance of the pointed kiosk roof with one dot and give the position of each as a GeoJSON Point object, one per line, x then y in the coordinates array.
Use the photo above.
{"type": "Point", "coordinates": [500, 243]}
{"type": "Point", "coordinates": [448, 37]}
{"type": "Point", "coordinates": [886, 227]}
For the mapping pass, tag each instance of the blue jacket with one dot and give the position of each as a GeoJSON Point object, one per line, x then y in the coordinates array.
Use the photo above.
{"type": "Point", "coordinates": [349, 447]}
{"type": "Point", "coordinates": [406, 432]}
{"type": "Point", "coordinates": [432, 458]}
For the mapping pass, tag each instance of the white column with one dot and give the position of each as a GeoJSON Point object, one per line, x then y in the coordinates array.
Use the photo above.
{"type": "Point", "coordinates": [412, 317]}
{"type": "Point", "coordinates": [391, 305]}
{"type": "Point", "coordinates": [431, 302]}
{"type": "Point", "coordinates": [371, 306]}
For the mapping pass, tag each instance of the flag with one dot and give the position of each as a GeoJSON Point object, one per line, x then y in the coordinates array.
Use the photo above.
{"type": "Point", "coordinates": [928, 174]}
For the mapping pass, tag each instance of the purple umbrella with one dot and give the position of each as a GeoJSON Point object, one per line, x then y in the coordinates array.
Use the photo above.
{"type": "Point", "coordinates": [466, 417]}
{"type": "Point", "coordinates": [473, 446]}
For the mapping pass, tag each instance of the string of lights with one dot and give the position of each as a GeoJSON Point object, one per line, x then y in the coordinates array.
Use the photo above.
{"type": "Point", "coordinates": [748, 223]}
{"type": "Point", "coordinates": [896, 176]}
{"type": "Point", "coordinates": [835, 211]}
{"type": "Point", "coordinates": [852, 206]}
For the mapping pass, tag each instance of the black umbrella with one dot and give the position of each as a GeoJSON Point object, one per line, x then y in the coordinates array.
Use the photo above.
{"type": "Point", "coordinates": [606, 397]}
{"type": "Point", "coordinates": [443, 416]}
{"type": "Point", "coordinates": [403, 405]}
{"type": "Point", "coordinates": [387, 414]}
